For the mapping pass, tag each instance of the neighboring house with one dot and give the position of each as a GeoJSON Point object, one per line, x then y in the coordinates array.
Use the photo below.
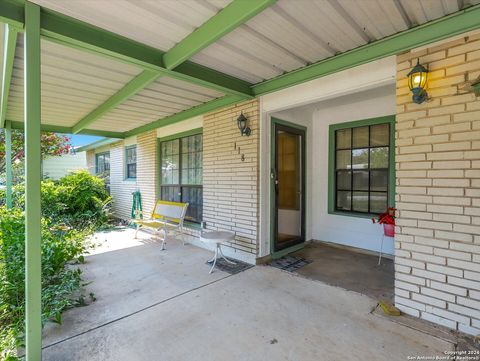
{"type": "Point", "coordinates": [56, 167]}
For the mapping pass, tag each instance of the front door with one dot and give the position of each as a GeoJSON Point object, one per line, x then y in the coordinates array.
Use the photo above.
{"type": "Point", "coordinates": [288, 182]}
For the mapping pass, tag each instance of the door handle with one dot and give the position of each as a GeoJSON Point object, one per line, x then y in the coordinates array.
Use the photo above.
{"type": "Point", "coordinates": [273, 175]}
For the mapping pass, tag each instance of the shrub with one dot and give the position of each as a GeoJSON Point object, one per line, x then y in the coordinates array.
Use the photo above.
{"type": "Point", "coordinates": [85, 196]}
{"type": "Point", "coordinates": [59, 248]}
{"type": "Point", "coordinates": [78, 199]}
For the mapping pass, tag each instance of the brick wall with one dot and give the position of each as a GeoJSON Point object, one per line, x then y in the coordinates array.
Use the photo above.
{"type": "Point", "coordinates": [91, 161]}
{"type": "Point", "coordinates": [147, 169]}
{"type": "Point", "coordinates": [230, 185]}
{"type": "Point", "coordinates": [437, 263]}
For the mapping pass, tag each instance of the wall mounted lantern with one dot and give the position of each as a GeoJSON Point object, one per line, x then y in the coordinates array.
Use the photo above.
{"type": "Point", "coordinates": [242, 125]}
{"type": "Point", "coordinates": [417, 82]}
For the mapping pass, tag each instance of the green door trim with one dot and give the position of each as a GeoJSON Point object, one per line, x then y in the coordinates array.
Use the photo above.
{"type": "Point", "coordinates": [278, 254]}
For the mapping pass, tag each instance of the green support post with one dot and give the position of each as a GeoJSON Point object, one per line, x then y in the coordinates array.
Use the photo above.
{"type": "Point", "coordinates": [8, 163]}
{"type": "Point", "coordinates": [33, 260]}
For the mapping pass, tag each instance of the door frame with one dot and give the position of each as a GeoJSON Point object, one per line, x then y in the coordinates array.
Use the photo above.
{"type": "Point", "coordinates": [273, 214]}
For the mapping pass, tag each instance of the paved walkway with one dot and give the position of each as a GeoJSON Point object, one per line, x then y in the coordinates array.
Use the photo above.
{"type": "Point", "coordinates": [155, 305]}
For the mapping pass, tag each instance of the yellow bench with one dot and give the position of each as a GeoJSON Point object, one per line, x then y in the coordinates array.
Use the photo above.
{"type": "Point", "coordinates": [166, 216]}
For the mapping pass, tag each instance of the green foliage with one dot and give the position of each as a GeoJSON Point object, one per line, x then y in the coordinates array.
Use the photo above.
{"type": "Point", "coordinates": [73, 207]}
{"type": "Point", "coordinates": [87, 198]}
{"type": "Point", "coordinates": [59, 248]}
{"type": "Point", "coordinates": [78, 200]}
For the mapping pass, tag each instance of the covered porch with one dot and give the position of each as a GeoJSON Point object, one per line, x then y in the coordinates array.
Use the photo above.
{"type": "Point", "coordinates": [138, 72]}
{"type": "Point", "coordinates": [152, 304]}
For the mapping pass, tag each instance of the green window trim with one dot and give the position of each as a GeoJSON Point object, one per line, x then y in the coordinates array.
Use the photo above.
{"type": "Point", "coordinates": [390, 119]}
{"type": "Point", "coordinates": [127, 176]}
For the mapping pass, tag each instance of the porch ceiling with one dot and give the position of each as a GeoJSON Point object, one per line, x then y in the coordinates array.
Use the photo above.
{"type": "Point", "coordinates": [129, 87]}
{"type": "Point", "coordinates": [285, 36]}
{"type": "Point", "coordinates": [73, 83]}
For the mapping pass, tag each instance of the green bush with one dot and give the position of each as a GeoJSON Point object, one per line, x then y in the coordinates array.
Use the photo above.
{"type": "Point", "coordinates": [78, 199]}
{"type": "Point", "coordinates": [59, 282]}
{"type": "Point", "coordinates": [72, 208]}
{"type": "Point", "coordinates": [86, 197]}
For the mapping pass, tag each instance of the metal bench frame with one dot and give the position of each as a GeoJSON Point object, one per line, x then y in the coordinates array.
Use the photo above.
{"type": "Point", "coordinates": [165, 217]}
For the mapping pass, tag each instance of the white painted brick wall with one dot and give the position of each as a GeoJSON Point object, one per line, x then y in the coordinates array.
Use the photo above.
{"type": "Point", "coordinates": [230, 185]}
{"type": "Point", "coordinates": [437, 260]}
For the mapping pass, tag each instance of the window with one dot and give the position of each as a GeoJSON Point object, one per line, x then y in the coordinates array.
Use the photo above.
{"type": "Point", "coordinates": [362, 166]}
{"type": "Point", "coordinates": [181, 178]}
{"type": "Point", "coordinates": [131, 162]}
{"type": "Point", "coordinates": [102, 163]}
{"type": "Point", "coordinates": [289, 170]}
{"type": "Point", "coordinates": [102, 168]}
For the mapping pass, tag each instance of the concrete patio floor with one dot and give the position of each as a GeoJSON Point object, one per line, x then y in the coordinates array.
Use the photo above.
{"type": "Point", "coordinates": [348, 268]}
{"type": "Point", "coordinates": [163, 305]}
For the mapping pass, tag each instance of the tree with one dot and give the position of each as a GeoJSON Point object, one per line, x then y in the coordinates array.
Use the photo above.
{"type": "Point", "coordinates": [52, 144]}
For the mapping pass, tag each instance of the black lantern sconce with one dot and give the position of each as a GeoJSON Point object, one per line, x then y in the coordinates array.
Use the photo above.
{"type": "Point", "coordinates": [242, 125]}
{"type": "Point", "coordinates": [417, 82]}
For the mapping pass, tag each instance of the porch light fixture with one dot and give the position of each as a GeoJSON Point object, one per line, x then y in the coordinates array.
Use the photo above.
{"type": "Point", "coordinates": [417, 82]}
{"type": "Point", "coordinates": [242, 125]}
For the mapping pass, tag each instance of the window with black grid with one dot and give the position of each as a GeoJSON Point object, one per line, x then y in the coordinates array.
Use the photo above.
{"type": "Point", "coordinates": [362, 169]}
{"type": "Point", "coordinates": [181, 178]}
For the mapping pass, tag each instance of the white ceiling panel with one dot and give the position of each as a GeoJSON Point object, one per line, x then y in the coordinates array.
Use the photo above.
{"type": "Point", "coordinates": [164, 97]}
{"type": "Point", "coordinates": [73, 83]}
{"type": "Point", "coordinates": [160, 24]}
{"type": "Point", "coordinates": [291, 34]}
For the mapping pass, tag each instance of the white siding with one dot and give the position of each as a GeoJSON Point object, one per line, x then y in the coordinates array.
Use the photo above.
{"type": "Point", "coordinates": [58, 167]}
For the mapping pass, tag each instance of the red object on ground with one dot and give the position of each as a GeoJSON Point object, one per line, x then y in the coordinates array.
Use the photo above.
{"type": "Point", "coordinates": [389, 230]}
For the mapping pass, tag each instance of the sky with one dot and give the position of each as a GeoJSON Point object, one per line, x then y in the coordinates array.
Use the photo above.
{"type": "Point", "coordinates": [78, 140]}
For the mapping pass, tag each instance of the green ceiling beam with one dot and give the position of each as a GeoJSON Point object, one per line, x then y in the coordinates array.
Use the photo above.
{"type": "Point", "coordinates": [12, 13]}
{"type": "Point", "coordinates": [69, 130]}
{"type": "Point", "coordinates": [77, 34]}
{"type": "Point", "coordinates": [135, 85]}
{"type": "Point", "coordinates": [448, 26]}
{"type": "Point", "coordinates": [186, 114]}
{"type": "Point", "coordinates": [8, 57]}
{"type": "Point", "coordinates": [226, 20]}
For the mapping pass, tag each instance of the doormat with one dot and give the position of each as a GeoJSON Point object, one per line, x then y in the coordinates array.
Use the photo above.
{"type": "Point", "coordinates": [232, 269]}
{"type": "Point", "coordinates": [290, 263]}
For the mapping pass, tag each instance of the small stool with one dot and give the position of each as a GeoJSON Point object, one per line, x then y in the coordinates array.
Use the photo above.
{"type": "Point", "coordinates": [217, 237]}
